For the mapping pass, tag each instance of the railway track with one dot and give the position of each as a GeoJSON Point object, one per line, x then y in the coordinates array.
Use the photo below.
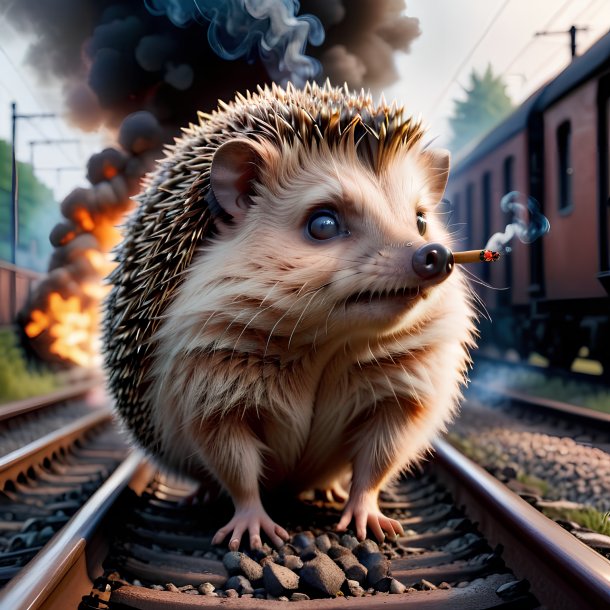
{"type": "Point", "coordinates": [55, 451]}
{"type": "Point", "coordinates": [585, 418]}
{"type": "Point", "coordinates": [142, 542]}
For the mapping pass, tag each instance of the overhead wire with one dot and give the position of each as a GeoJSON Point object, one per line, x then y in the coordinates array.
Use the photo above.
{"type": "Point", "coordinates": [468, 56]}
{"type": "Point", "coordinates": [40, 106]}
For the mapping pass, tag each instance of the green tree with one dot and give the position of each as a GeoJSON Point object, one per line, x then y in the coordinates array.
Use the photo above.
{"type": "Point", "coordinates": [486, 104]}
{"type": "Point", "coordinates": [38, 213]}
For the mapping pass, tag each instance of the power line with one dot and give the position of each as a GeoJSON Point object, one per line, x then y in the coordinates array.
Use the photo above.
{"type": "Point", "coordinates": [469, 55]}
{"type": "Point", "coordinates": [524, 49]}
{"type": "Point", "coordinates": [36, 100]}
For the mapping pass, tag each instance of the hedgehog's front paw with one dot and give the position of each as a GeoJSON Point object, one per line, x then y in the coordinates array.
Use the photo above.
{"type": "Point", "coordinates": [251, 518]}
{"type": "Point", "coordinates": [363, 509]}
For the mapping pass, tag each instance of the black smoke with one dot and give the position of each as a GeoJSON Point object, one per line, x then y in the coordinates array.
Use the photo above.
{"type": "Point", "coordinates": [115, 58]}
{"type": "Point", "coordinates": [143, 68]}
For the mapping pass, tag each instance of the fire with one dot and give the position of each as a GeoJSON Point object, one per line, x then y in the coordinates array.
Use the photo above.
{"type": "Point", "coordinates": [100, 262]}
{"type": "Point", "coordinates": [83, 218]}
{"type": "Point", "coordinates": [110, 171]}
{"type": "Point", "coordinates": [38, 324]}
{"type": "Point", "coordinates": [72, 327]}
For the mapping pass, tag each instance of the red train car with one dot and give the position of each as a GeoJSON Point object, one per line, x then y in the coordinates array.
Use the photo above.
{"type": "Point", "coordinates": [555, 148]}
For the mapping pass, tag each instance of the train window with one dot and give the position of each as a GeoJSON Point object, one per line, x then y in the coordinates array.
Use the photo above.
{"type": "Point", "coordinates": [469, 213]}
{"type": "Point", "coordinates": [565, 170]}
{"type": "Point", "coordinates": [508, 184]}
{"type": "Point", "coordinates": [508, 177]}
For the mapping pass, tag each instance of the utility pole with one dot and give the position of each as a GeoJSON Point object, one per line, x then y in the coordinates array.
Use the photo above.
{"type": "Point", "coordinates": [14, 217]}
{"type": "Point", "coordinates": [572, 32]}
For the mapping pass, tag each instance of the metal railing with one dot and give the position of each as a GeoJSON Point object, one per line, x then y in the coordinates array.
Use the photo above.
{"type": "Point", "coordinates": [16, 285]}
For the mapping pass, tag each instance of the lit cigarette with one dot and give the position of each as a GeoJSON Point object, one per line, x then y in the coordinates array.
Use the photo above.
{"type": "Point", "coordinates": [475, 256]}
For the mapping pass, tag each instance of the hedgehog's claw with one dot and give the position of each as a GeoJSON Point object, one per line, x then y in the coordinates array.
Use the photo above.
{"type": "Point", "coordinates": [364, 511]}
{"type": "Point", "coordinates": [251, 519]}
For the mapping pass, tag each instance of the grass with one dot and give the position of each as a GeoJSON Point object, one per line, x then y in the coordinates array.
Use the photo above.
{"type": "Point", "coordinates": [542, 486]}
{"type": "Point", "coordinates": [586, 517]}
{"type": "Point", "coordinates": [19, 380]}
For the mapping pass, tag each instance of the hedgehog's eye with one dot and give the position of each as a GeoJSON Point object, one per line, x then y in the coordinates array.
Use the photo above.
{"type": "Point", "coordinates": [323, 225]}
{"type": "Point", "coordinates": [421, 222]}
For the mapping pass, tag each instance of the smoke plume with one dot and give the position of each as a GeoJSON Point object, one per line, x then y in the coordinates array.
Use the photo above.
{"type": "Point", "coordinates": [114, 58]}
{"type": "Point", "coordinates": [528, 223]}
{"type": "Point", "coordinates": [141, 69]}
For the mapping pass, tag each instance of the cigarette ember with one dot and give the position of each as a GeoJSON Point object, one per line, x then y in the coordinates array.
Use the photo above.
{"type": "Point", "coordinates": [475, 256]}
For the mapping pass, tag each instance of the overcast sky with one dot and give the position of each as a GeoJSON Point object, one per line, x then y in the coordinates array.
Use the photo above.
{"type": "Point", "coordinates": [456, 37]}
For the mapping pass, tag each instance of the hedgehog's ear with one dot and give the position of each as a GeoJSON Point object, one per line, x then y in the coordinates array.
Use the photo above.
{"type": "Point", "coordinates": [231, 174]}
{"type": "Point", "coordinates": [437, 162]}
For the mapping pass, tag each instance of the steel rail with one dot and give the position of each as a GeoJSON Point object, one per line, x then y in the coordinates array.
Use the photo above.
{"type": "Point", "coordinates": [35, 403]}
{"type": "Point", "coordinates": [564, 572]}
{"type": "Point", "coordinates": [590, 417]}
{"type": "Point", "coordinates": [63, 557]}
{"type": "Point", "coordinates": [14, 463]}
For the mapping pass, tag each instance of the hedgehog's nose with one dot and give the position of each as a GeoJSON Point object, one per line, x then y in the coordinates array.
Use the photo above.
{"type": "Point", "coordinates": [433, 261]}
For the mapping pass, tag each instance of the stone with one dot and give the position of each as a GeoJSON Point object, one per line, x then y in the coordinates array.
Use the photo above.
{"type": "Point", "coordinates": [346, 561]}
{"type": "Point", "coordinates": [377, 570]}
{"type": "Point", "coordinates": [231, 593]}
{"type": "Point", "coordinates": [323, 575]}
{"type": "Point", "coordinates": [426, 585]}
{"type": "Point", "coordinates": [364, 548]}
{"type": "Point", "coordinates": [349, 542]}
{"type": "Point", "coordinates": [510, 590]}
{"type": "Point", "coordinates": [357, 572]}
{"type": "Point", "coordinates": [354, 589]}
{"type": "Point", "coordinates": [292, 562]}
{"type": "Point", "coordinates": [383, 585]}
{"type": "Point", "coordinates": [338, 550]}
{"type": "Point", "coordinates": [206, 588]}
{"type": "Point", "coordinates": [170, 586]}
{"type": "Point", "coordinates": [239, 563]}
{"type": "Point", "coordinates": [309, 553]}
{"type": "Point", "coordinates": [323, 543]}
{"type": "Point", "coordinates": [371, 559]}
{"type": "Point", "coordinates": [299, 597]}
{"type": "Point", "coordinates": [279, 580]}
{"type": "Point", "coordinates": [240, 583]}
{"type": "Point", "coordinates": [397, 587]}
{"type": "Point", "coordinates": [302, 540]}
{"type": "Point", "coordinates": [288, 549]}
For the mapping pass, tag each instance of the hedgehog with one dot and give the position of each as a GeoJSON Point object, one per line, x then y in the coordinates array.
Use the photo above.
{"type": "Point", "coordinates": [285, 314]}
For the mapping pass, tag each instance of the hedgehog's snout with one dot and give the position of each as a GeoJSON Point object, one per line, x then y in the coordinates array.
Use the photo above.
{"type": "Point", "coordinates": [433, 261]}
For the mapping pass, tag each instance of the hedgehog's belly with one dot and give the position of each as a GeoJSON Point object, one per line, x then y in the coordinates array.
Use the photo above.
{"type": "Point", "coordinates": [301, 454]}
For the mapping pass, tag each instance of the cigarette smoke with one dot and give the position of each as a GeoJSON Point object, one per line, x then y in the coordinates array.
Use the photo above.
{"type": "Point", "coordinates": [141, 69]}
{"type": "Point", "coordinates": [528, 223]}
{"type": "Point", "coordinates": [269, 29]}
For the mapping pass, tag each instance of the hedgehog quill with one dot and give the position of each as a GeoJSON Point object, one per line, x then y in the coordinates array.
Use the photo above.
{"type": "Point", "coordinates": [285, 309]}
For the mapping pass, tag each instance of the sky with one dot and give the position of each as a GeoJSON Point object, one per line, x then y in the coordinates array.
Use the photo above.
{"type": "Point", "coordinates": [456, 37]}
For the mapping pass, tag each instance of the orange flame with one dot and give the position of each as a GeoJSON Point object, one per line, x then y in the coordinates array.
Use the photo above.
{"type": "Point", "coordinates": [84, 220]}
{"type": "Point", "coordinates": [99, 261]}
{"type": "Point", "coordinates": [72, 328]}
